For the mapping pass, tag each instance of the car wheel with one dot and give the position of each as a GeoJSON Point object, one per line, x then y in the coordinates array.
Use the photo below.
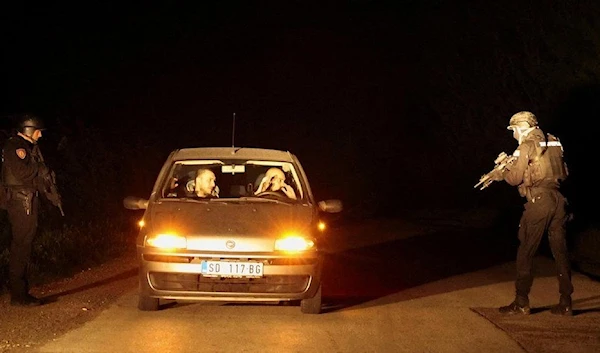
{"type": "Point", "coordinates": [147, 303]}
{"type": "Point", "coordinates": [312, 305]}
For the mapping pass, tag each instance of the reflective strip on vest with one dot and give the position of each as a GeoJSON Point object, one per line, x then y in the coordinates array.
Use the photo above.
{"type": "Point", "coordinates": [550, 143]}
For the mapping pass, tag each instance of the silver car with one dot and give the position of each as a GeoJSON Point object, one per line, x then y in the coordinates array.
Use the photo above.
{"type": "Point", "coordinates": [244, 240]}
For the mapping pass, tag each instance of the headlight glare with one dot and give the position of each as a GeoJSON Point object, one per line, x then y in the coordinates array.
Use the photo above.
{"type": "Point", "coordinates": [293, 243]}
{"type": "Point", "coordinates": [321, 226]}
{"type": "Point", "coordinates": [167, 241]}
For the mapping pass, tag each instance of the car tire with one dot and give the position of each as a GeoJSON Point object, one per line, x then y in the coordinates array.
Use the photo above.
{"type": "Point", "coordinates": [290, 302]}
{"type": "Point", "coordinates": [312, 305]}
{"type": "Point", "coordinates": [147, 303]}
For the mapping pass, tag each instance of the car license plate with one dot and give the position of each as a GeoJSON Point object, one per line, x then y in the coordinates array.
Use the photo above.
{"type": "Point", "coordinates": [231, 269]}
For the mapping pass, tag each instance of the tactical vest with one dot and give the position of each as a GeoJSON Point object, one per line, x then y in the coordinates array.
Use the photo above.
{"type": "Point", "coordinates": [546, 164]}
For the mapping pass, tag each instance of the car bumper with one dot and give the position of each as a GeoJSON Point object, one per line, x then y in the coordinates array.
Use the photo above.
{"type": "Point", "coordinates": [178, 277]}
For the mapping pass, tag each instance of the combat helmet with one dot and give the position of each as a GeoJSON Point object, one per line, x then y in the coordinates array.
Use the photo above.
{"type": "Point", "coordinates": [522, 117]}
{"type": "Point", "coordinates": [28, 123]}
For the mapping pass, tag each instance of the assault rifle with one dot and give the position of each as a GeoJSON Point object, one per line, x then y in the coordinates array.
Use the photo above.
{"type": "Point", "coordinates": [501, 162]}
{"type": "Point", "coordinates": [49, 184]}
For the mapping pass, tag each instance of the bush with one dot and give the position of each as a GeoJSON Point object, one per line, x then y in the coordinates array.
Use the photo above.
{"type": "Point", "coordinates": [62, 251]}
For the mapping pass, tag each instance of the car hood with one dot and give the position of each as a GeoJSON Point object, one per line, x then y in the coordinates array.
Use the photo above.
{"type": "Point", "coordinates": [231, 218]}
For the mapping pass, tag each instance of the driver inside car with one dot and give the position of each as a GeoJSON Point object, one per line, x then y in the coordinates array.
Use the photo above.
{"type": "Point", "coordinates": [201, 183]}
{"type": "Point", "coordinates": [205, 186]}
{"type": "Point", "coordinates": [274, 181]}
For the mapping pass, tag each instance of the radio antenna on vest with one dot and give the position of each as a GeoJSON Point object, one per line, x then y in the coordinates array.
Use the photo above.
{"type": "Point", "coordinates": [233, 133]}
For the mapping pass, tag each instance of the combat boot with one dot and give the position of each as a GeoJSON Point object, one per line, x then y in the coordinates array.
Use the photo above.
{"type": "Point", "coordinates": [516, 307]}
{"type": "Point", "coordinates": [26, 300]}
{"type": "Point", "coordinates": [564, 307]}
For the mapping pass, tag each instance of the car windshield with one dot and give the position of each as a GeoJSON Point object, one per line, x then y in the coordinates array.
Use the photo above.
{"type": "Point", "coordinates": [233, 179]}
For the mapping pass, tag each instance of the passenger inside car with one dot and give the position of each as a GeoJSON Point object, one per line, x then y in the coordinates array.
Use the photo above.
{"type": "Point", "coordinates": [274, 183]}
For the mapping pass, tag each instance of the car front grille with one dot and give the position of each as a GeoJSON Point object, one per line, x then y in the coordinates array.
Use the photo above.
{"type": "Point", "coordinates": [266, 261]}
{"type": "Point", "coordinates": [195, 282]}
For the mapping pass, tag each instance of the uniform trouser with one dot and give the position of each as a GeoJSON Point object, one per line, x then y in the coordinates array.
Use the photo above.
{"type": "Point", "coordinates": [24, 227]}
{"type": "Point", "coordinates": [547, 213]}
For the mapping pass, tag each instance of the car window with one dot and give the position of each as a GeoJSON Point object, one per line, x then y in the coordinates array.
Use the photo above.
{"type": "Point", "coordinates": [234, 178]}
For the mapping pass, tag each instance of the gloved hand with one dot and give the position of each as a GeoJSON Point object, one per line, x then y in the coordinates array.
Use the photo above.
{"type": "Point", "coordinates": [497, 175]}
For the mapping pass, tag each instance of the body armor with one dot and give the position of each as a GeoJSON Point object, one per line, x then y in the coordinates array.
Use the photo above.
{"type": "Point", "coordinates": [546, 166]}
{"type": "Point", "coordinates": [9, 178]}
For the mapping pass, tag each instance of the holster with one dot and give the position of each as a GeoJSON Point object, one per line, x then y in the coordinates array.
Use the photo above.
{"type": "Point", "coordinates": [26, 198]}
{"type": "Point", "coordinates": [525, 191]}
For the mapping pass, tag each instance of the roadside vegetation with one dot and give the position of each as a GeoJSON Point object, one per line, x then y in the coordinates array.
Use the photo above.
{"type": "Point", "coordinates": [62, 251]}
{"type": "Point", "coordinates": [95, 228]}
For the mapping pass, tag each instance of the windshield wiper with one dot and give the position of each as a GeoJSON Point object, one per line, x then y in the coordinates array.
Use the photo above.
{"type": "Point", "coordinates": [264, 199]}
{"type": "Point", "coordinates": [188, 199]}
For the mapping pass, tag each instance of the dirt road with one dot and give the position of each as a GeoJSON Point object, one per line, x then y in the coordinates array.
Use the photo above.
{"type": "Point", "coordinates": [421, 290]}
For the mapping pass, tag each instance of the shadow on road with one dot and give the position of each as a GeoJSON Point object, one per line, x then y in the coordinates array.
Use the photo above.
{"type": "Point", "coordinates": [359, 275]}
{"type": "Point", "coordinates": [586, 306]}
{"type": "Point", "coordinates": [117, 277]}
{"type": "Point", "coordinates": [544, 332]}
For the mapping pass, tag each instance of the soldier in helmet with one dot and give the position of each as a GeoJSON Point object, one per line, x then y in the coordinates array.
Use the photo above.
{"type": "Point", "coordinates": [20, 170]}
{"type": "Point", "coordinates": [538, 172]}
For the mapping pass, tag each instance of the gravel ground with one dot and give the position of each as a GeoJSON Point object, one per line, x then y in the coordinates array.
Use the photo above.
{"type": "Point", "coordinates": [70, 303]}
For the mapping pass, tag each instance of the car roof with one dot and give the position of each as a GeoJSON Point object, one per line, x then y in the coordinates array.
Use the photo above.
{"type": "Point", "coordinates": [232, 152]}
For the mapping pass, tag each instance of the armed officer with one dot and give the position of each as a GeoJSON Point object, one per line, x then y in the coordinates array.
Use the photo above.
{"type": "Point", "coordinates": [21, 171]}
{"type": "Point", "coordinates": [537, 172]}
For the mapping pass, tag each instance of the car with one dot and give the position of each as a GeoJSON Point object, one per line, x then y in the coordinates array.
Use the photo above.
{"type": "Point", "coordinates": [241, 242]}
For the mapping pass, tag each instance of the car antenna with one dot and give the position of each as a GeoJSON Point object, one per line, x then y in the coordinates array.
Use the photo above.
{"type": "Point", "coordinates": [233, 132]}
{"type": "Point", "coordinates": [233, 136]}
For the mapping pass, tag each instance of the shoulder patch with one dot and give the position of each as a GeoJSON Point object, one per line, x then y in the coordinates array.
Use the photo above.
{"type": "Point", "coordinates": [22, 153]}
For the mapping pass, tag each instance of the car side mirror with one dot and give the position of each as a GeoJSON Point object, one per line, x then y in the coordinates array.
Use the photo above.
{"type": "Point", "coordinates": [135, 203]}
{"type": "Point", "coordinates": [331, 206]}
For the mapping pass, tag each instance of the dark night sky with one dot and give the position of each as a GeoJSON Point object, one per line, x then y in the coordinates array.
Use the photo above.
{"type": "Point", "coordinates": [361, 91]}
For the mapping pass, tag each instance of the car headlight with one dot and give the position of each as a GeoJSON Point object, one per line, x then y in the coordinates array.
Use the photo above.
{"type": "Point", "coordinates": [166, 241]}
{"type": "Point", "coordinates": [293, 243]}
